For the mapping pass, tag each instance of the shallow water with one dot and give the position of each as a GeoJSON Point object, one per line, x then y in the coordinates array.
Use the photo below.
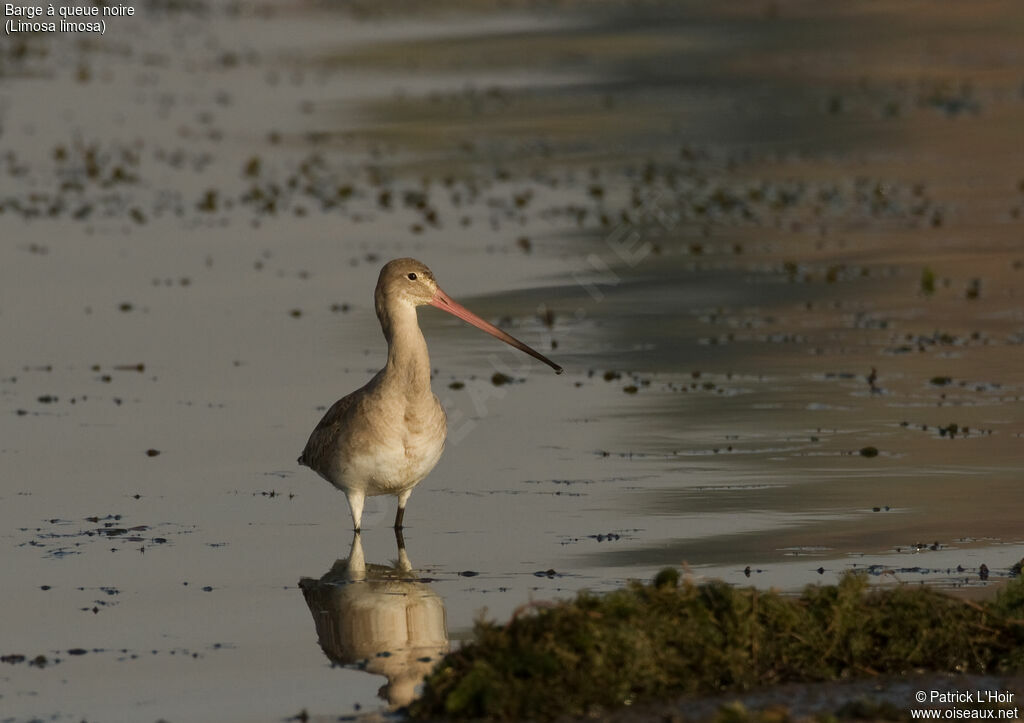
{"type": "Point", "coordinates": [719, 222]}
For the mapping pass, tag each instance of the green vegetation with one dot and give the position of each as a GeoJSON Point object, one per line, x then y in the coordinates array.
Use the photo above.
{"type": "Point", "coordinates": [927, 281]}
{"type": "Point", "coordinates": [663, 640]}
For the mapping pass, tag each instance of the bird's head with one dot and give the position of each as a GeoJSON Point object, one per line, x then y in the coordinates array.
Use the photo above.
{"type": "Point", "coordinates": [409, 283]}
{"type": "Point", "coordinates": [405, 281]}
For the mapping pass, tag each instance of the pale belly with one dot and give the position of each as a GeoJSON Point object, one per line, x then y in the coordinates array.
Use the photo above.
{"type": "Point", "coordinates": [393, 463]}
{"type": "Point", "coordinates": [391, 470]}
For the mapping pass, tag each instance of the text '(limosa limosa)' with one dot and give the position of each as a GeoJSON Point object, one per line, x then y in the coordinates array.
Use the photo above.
{"type": "Point", "coordinates": [384, 438]}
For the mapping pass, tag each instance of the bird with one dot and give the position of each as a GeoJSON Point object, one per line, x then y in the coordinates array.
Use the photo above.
{"type": "Point", "coordinates": [386, 437]}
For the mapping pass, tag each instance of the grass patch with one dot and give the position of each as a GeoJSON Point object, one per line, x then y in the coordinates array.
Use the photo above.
{"type": "Point", "coordinates": [649, 642]}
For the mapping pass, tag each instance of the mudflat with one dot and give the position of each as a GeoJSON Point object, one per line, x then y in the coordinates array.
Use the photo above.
{"type": "Point", "coordinates": [776, 246]}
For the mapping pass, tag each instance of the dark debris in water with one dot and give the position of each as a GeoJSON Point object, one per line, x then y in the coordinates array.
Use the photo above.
{"type": "Point", "coordinates": [602, 537]}
{"type": "Point", "coordinates": [61, 538]}
{"type": "Point", "coordinates": [41, 660]}
{"type": "Point", "coordinates": [272, 494]}
{"type": "Point", "coordinates": [959, 575]}
{"type": "Point", "coordinates": [951, 430]}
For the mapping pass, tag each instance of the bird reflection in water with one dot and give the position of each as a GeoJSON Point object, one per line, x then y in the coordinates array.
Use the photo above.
{"type": "Point", "coordinates": [379, 618]}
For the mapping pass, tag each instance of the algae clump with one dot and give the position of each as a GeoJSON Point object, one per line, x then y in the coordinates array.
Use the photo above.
{"type": "Point", "coordinates": [648, 642]}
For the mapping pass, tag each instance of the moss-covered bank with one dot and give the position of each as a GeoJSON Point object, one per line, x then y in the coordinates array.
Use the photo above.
{"type": "Point", "coordinates": [664, 640]}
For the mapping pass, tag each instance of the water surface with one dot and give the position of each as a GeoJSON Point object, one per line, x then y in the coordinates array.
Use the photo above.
{"type": "Point", "coordinates": [777, 251]}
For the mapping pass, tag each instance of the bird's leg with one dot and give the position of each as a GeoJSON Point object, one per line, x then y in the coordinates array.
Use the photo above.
{"type": "Point", "coordinates": [356, 566]}
{"type": "Point", "coordinates": [400, 515]}
{"type": "Point", "coordinates": [355, 503]}
{"type": "Point", "coordinates": [400, 541]}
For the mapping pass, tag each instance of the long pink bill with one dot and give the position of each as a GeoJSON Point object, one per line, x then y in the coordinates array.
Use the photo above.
{"type": "Point", "coordinates": [442, 301]}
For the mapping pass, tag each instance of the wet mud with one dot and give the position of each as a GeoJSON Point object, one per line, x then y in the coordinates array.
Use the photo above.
{"type": "Point", "coordinates": [777, 248]}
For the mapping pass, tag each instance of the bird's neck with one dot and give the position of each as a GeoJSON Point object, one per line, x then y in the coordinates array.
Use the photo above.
{"type": "Point", "coordinates": [408, 360]}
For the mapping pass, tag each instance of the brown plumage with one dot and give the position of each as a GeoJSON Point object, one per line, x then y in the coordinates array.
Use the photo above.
{"type": "Point", "coordinates": [385, 437]}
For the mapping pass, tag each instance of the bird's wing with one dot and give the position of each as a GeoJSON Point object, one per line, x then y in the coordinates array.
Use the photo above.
{"type": "Point", "coordinates": [323, 437]}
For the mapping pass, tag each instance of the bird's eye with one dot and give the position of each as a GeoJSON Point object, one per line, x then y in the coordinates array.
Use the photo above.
{"type": "Point", "coordinates": [412, 276]}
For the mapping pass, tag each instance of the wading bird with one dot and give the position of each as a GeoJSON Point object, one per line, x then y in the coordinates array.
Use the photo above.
{"type": "Point", "coordinates": [384, 438]}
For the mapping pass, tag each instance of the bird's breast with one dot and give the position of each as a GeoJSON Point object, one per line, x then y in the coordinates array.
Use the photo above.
{"type": "Point", "coordinates": [423, 439]}
{"type": "Point", "coordinates": [407, 443]}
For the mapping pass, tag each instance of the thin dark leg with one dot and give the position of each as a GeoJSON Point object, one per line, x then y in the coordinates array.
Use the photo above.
{"type": "Point", "coordinates": [399, 516]}
{"type": "Point", "coordinates": [399, 538]}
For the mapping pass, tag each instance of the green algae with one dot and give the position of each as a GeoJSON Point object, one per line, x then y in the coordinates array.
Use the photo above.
{"type": "Point", "coordinates": [649, 642]}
